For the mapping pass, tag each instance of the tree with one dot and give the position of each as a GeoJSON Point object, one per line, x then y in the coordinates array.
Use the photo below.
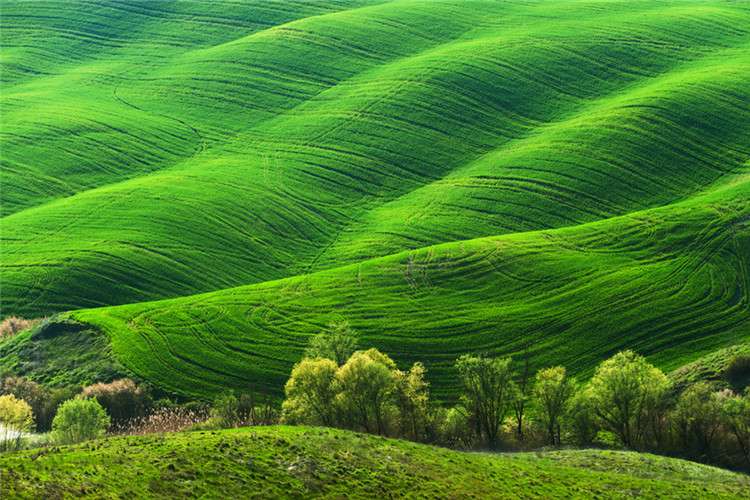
{"type": "Point", "coordinates": [365, 386]}
{"type": "Point", "coordinates": [412, 394]}
{"type": "Point", "coordinates": [522, 394]}
{"type": "Point", "coordinates": [552, 392]}
{"type": "Point", "coordinates": [17, 420]}
{"type": "Point", "coordinates": [79, 420]}
{"type": "Point", "coordinates": [624, 393]}
{"type": "Point", "coordinates": [337, 342]}
{"type": "Point", "coordinates": [696, 417]}
{"type": "Point", "coordinates": [735, 414]}
{"type": "Point", "coordinates": [310, 392]}
{"type": "Point", "coordinates": [488, 393]}
{"type": "Point", "coordinates": [582, 418]}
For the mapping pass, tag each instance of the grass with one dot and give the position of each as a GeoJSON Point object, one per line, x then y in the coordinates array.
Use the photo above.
{"type": "Point", "coordinates": [579, 294]}
{"type": "Point", "coordinates": [209, 184]}
{"type": "Point", "coordinates": [284, 462]}
{"type": "Point", "coordinates": [301, 137]}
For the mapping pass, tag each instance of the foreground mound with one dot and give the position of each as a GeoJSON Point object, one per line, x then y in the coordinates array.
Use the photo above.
{"type": "Point", "coordinates": [277, 462]}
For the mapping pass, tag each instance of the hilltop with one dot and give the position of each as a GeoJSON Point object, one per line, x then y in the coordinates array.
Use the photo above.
{"type": "Point", "coordinates": [279, 462]}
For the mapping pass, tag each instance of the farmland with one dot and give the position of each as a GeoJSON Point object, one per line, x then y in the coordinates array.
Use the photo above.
{"type": "Point", "coordinates": [207, 185]}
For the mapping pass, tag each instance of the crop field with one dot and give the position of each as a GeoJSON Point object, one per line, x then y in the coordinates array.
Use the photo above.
{"type": "Point", "coordinates": [303, 462]}
{"type": "Point", "coordinates": [209, 184]}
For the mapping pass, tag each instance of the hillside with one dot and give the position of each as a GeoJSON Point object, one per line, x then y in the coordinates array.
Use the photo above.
{"type": "Point", "coordinates": [280, 462]}
{"type": "Point", "coordinates": [208, 184]}
{"type": "Point", "coordinates": [267, 141]}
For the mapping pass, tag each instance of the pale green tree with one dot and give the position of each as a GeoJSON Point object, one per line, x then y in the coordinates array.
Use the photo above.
{"type": "Point", "coordinates": [488, 392]}
{"type": "Point", "coordinates": [337, 342]}
{"type": "Point", "coordinates": [412, 394]}
{"type": "Point", "coordinates": [552, 392]}
{"type": "Point", "coordinates": [366, 391]}
{"type": "Point", "coordinates": [79, 420]}
{"type": "Point", "coordinates": [625, 392]}
{"type": "Point", "coordinates": [310, 393]}
{"type": "Point", "coordinates": [16, 419]}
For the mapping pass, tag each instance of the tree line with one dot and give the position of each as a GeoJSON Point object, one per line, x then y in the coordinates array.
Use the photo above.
{"type": "Point", "coordinates": [628, 402]}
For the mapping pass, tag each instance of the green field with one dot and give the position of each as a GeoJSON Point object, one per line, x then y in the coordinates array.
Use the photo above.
{"type": "Point", "coordinates": [208, 184]}
{"type": "Point", "coordinates": [303, 462]}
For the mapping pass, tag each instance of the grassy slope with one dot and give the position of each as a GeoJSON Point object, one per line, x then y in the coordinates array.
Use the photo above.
{"type": "Point", "coordinates": [671, 283]}
{"type": "Point", "coordinates": [280, 462]}
{"type": "Point", "coordinates": [294, 138]}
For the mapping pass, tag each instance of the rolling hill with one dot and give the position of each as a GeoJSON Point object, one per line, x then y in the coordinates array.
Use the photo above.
{"type": "Point", "coordinates": [279, 462]}
{"type": "Point", "coordinates": [209, 184]}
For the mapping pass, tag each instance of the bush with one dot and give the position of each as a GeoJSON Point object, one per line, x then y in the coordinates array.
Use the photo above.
{"type": "Point", "coordinates": [31, 392]}
{"type": "Point", "coordinates": [737, 372]}
{"type": "Point", "coordinates": [12, 326]}
{"type": "Point", "coordinates": [79, 420]}
{"type": "Point", "coordinates": [121, 399]}
{"type": "Point", "coordinates": [17, 420]}
{"type": "Point", "coordinates": [226, 410]}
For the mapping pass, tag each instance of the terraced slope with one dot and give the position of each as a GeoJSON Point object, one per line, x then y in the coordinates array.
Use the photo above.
{"type": "Point", "coordinates": [671, 283]}
{"type": "Point", "coordinates": [279, 462]}
{"type": "Point", "coordinates": [168, 158]}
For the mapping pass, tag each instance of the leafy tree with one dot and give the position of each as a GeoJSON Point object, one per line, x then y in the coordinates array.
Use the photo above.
{"type": "Point", "coordinates": [735, 414]}
{"type": "Point", "coordinates": [412, 393]}
{"type": "Point", "coordinates": [625, 392]}
{"type": "Point", "coordinates": [79, 420]}
{"type": "Point", "coordinates": [552, 392]}
{"type": "Point", "coordinates": [310, 392]}
{"type": "Point", "coordinates": [582, 418]}
{"type": "Point", "coordinates": [488, 393]}
{"type": "Point", "coordinates": [17, 420]}
{"type": "Point", "coordinates": [365, 386]}
{"type": "Point", "coordinates": [337, 342]}
{"type": "Point", "coordinates": [696, 417]}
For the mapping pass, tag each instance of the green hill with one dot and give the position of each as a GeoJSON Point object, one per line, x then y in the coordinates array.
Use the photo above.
{"type": "Point", "coordinates": [447, 176]}
{"type": "Point", "coordinates": [281, 462]}
{"type": "Point", "coordinates": [265, 141]}
{"type": "Point", "coordinates": [671, 283]}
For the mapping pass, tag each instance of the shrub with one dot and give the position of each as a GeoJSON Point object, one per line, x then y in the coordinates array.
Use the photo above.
{"type": "Point", "coordinates": [31, 392]}
{"type": "Point", "coordinates": [737, 372]}
{"type": "Point", "coordinates": [79, 420]}
{"type": "Point", "coordinates": [121, 399]}
{"type": "Point", "coordinates": [17, 420]}
{"type": "Point", "coordinates": [13, 325]}
{"type": "Point", "coordinates": [226, 410]}
{"type": "Point", "coordinates": [166, 420]}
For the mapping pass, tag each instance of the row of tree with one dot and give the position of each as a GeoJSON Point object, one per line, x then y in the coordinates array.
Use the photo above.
{"type": "Point", "coordinates": [627, 402]}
